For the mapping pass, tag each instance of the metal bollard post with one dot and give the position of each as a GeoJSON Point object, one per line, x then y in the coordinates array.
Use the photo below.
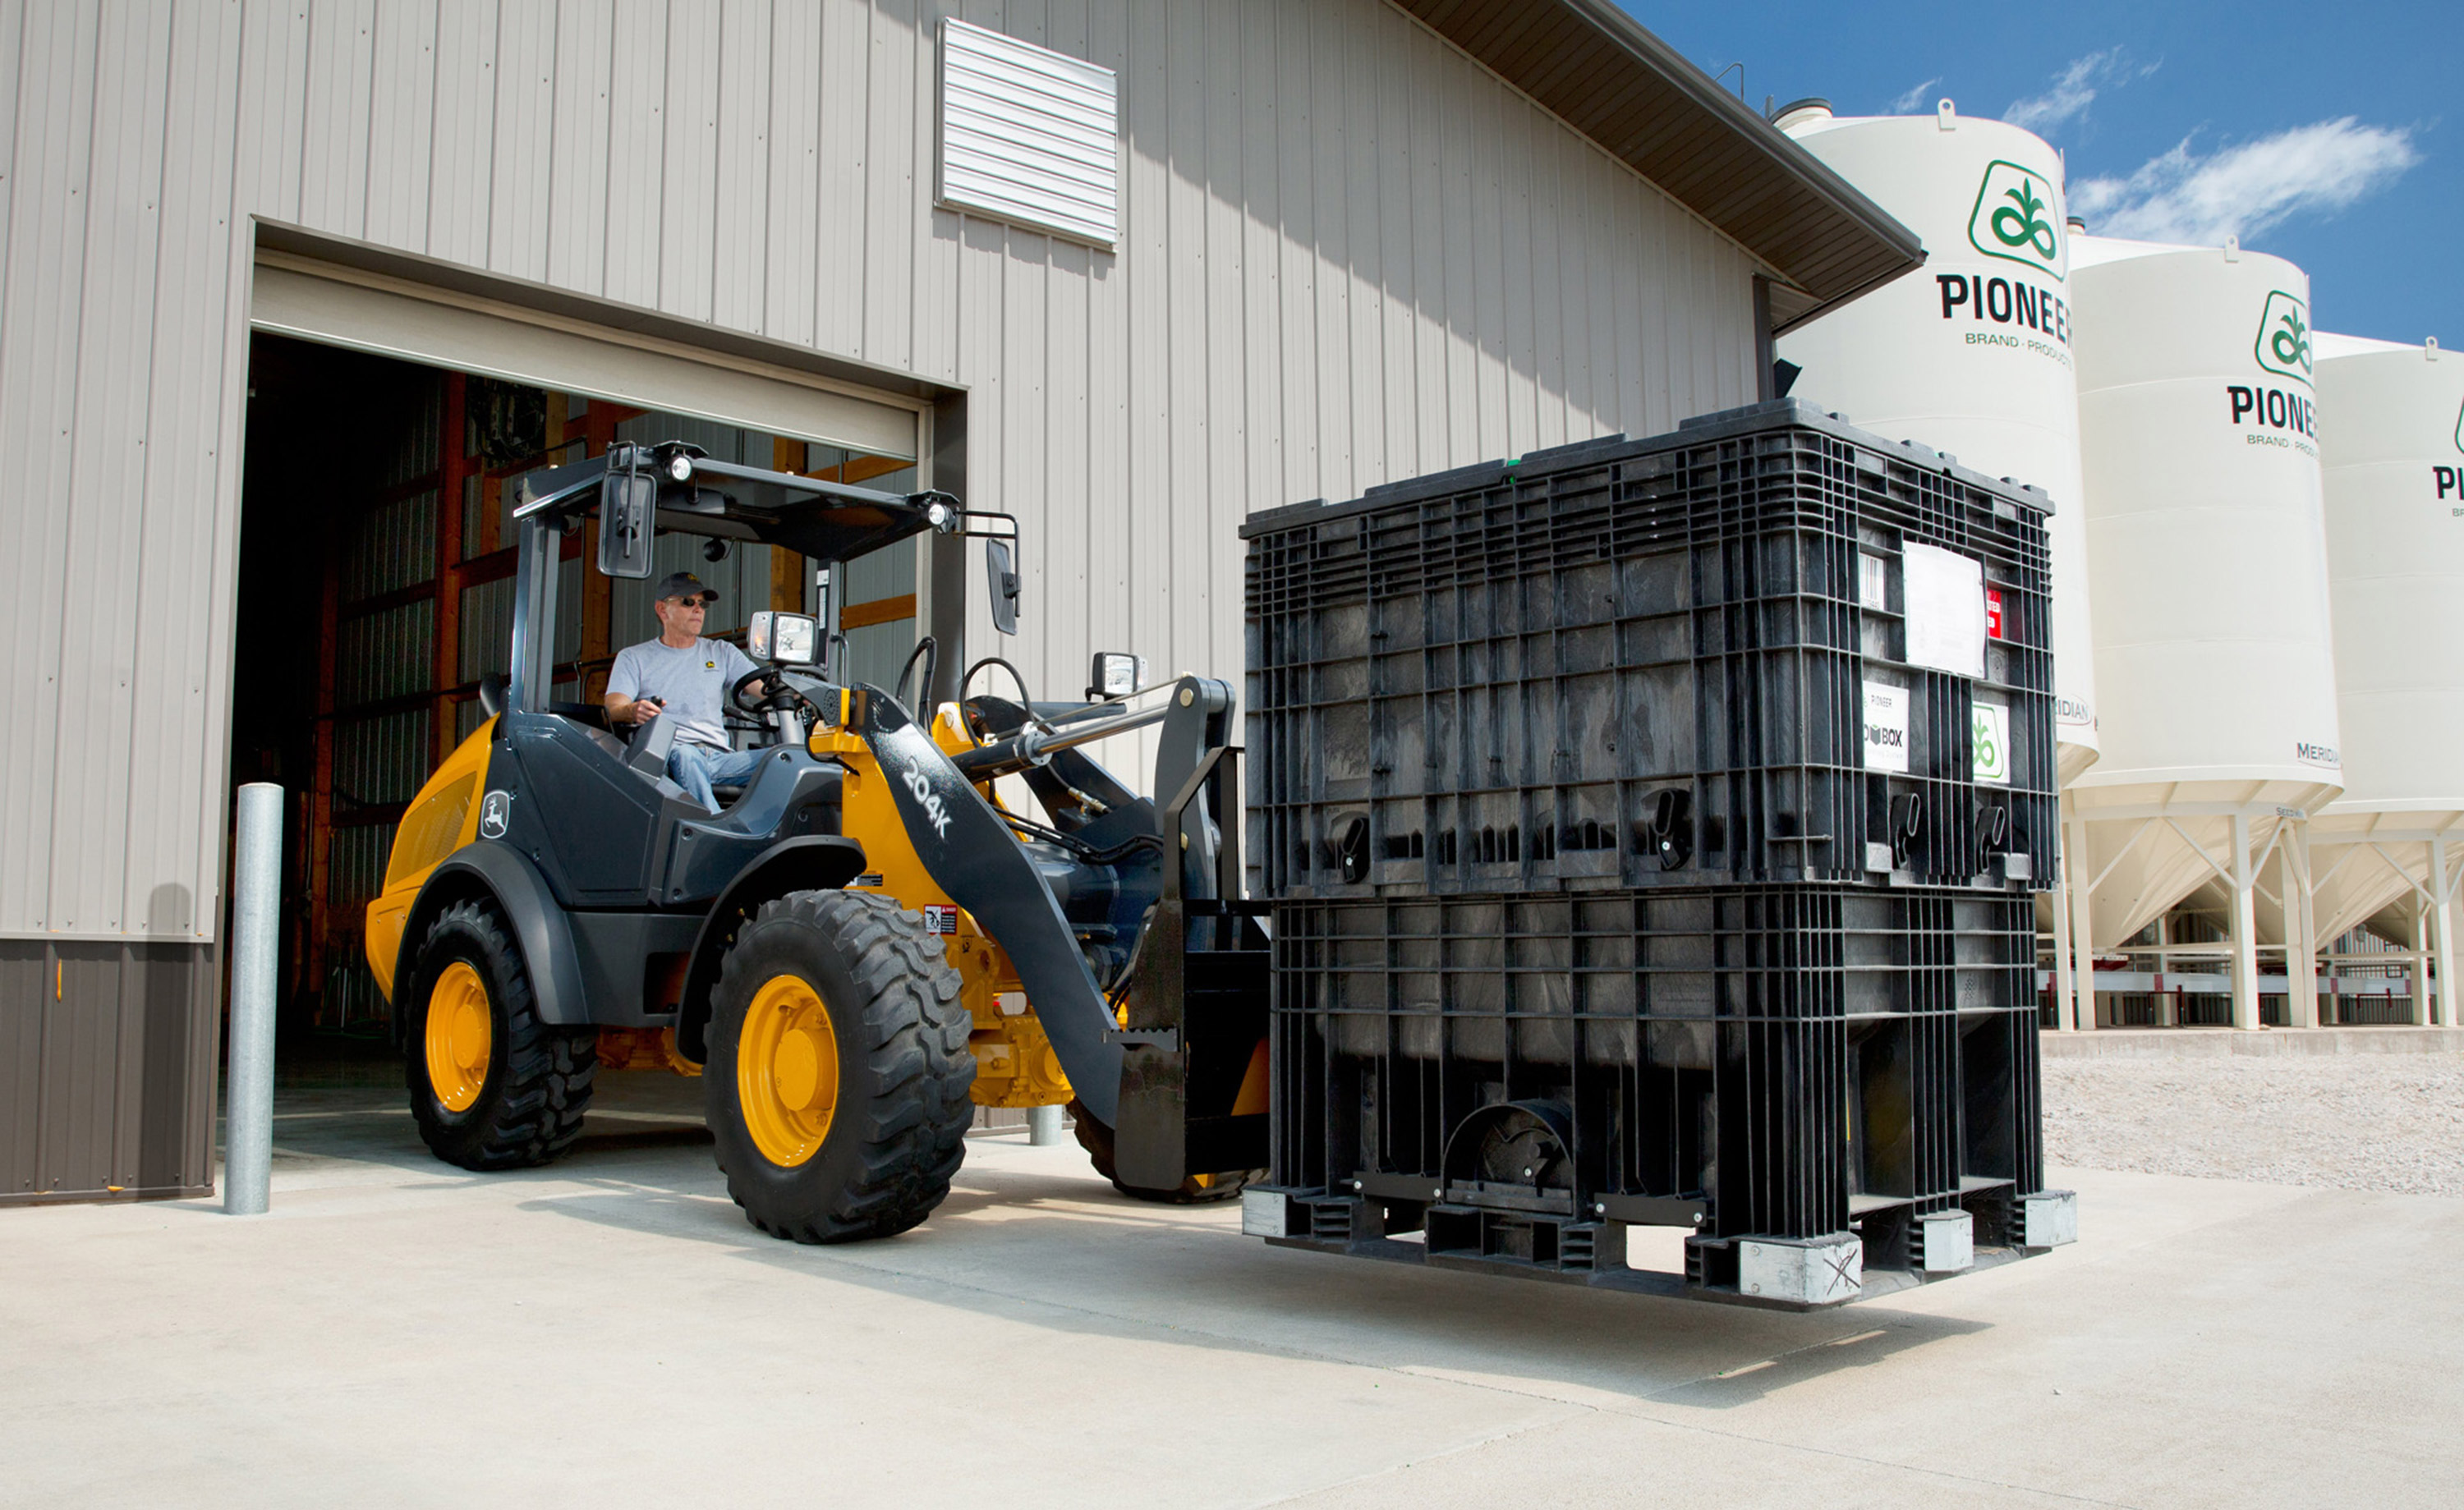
{"type": "Point", "coordinates": [256, 908]}
{"type": "Point", "coordinates": [1043, 1126]}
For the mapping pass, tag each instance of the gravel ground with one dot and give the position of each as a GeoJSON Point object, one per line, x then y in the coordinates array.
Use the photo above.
{"type": "Point", "coordinates": [2364, 1122]}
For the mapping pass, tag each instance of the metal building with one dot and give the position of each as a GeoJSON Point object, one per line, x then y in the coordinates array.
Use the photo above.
{"type": "Point", "coordinates": [1129, 271]}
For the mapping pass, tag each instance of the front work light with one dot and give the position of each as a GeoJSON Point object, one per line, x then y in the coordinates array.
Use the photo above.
{"type": "Point", "coordinates": [1116, 673]}
{"type": "Point", "coordinates": [789, 639]}
{"type": "Point", "coordinates": [680, 468]}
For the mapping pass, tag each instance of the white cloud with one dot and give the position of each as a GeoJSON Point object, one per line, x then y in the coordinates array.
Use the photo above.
{"type": "Point", "coordinates": [1914, 100]}
{"type": "Point", "coordinates": [2074, 90]}
{"type": "Point", "coordinates": [2249, 189]}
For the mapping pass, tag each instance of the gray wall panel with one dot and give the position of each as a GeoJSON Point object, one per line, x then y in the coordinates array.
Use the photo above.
{"type": "Point", "coordinates": [740, 221]}
{"type": "Point", "coordinates": [636, 150]}
{"type": "Point", "coordinates": [1349, 253]}
{"type": "Point", "coordinates": [39, 304]}
{"type": "Point", "coordinates": [22, 968]}
{"type": "Point", "coordinates": [402, 120]}
{"type": "Point", "coordinates": [331, 160]}
{"type": "Point", "coordinates": [467, 77]}
{"type": "Point", "coordinates": [109, 1088]}
{"type": "Point", "coordinates": [577, 188]}
{"type": "Point", "coordinates": [523, 150]}
{"type": "Point", "coordinates": [93, 725]}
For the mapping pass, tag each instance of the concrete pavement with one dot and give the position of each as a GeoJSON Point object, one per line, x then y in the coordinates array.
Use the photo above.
{"type": "Point", "coordinates": [609, 1329]}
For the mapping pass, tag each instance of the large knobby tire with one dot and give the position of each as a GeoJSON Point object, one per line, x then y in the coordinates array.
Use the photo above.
{"type": "Point", "coordinates": [492, 1086]}
{"type": "Point", "coordinates": [839, 1068]}
{"type": "Point", "coordinates": [1197, 1189]}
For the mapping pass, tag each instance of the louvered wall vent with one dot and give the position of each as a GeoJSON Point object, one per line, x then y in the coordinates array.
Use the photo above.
{"type": "Point", "coordinates": [1029, 135]}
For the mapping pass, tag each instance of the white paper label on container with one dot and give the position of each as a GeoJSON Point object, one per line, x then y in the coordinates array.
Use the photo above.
{"type": "Point", "coordinates": [1988, 741]}
{"type": "Point", "coordinates": [1945, 609]}
{"type": "Point", "coordinates": [1886, 727]}
{"type": "Point", "coordinates": [1873, 582]}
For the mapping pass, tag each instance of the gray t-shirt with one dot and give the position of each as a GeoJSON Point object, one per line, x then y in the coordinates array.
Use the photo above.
{"type": "Point", "coordinates": [692, 682]}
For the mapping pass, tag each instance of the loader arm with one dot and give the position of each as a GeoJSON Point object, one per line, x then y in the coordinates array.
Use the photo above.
{"type": "Point", "coordinates": [975, 859]}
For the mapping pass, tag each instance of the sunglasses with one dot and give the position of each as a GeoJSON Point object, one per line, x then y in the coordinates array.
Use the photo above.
{"type": "Point", "coordinates": [690, 603]}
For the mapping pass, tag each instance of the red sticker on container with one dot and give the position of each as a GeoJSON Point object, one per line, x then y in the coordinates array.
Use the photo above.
{"type": "Point", "coordinates": [1992, 614]}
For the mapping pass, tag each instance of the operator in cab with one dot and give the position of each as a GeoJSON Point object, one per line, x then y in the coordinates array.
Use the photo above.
{"type": "Point", "coordinates": [684, 677]}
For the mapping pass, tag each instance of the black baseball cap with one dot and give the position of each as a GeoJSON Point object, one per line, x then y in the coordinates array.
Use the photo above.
{"type": "Point", "coordinates": [683, 584]}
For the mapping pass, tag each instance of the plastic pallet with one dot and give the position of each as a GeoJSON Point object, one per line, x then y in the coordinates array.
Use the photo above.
{"type": "Point", "coordinates": [1782, 1061]}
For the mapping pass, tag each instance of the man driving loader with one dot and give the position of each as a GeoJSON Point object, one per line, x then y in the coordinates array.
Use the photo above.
{"type": "Point", "coordinates": [682, 676]}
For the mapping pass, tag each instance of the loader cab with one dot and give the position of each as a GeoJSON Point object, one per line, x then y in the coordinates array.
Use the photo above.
{"type": "Point", "coordinates": [637, 493]}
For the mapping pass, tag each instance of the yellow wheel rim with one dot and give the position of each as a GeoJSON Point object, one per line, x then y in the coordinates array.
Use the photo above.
{"type": "Point", "coordinates": [787, 1070]}
{"type": "Point", "coordinates": [459, 1035]}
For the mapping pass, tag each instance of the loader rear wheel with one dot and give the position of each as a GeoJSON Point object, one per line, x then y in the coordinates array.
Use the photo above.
{"type": "Point", "coordinates": [492, 1086]}
{"type": "Point", "coordinates": [1197, 1189]}
{"type": "Point", "coordinates": [839, 1068]}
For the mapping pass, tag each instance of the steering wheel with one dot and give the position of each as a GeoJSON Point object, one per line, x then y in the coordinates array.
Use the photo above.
{"type": "Point", "coordinates": [781, 696]}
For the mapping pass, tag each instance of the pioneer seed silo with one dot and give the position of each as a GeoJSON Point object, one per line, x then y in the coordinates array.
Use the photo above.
{"type": "Point", "coordinates": [1973, 356]}
{"type": "Point", "coordinates": [2198, 426]}
{"type": "Point", "coordinates": [1970, 357]}
{"type": "Point", "coordinates": [2391, 447]}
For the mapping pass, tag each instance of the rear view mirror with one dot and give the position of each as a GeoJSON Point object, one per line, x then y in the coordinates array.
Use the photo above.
{"type": "Point", "coordinates": [628, 508]}
{"type": "Point", "coordinates": [1002, 576]}
{"type": "Point", "coordinates": [789, 639]}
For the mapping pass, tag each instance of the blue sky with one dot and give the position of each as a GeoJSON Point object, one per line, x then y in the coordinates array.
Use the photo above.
{"type": "Point", "coordinates": [2321, 133]}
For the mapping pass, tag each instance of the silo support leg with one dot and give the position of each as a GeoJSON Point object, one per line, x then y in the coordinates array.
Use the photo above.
{"type": "Point", "coordinates": [2077, 890]}
{"type": "Point", "coordinates": [2066, 975]}
{"type": "Point", "coordinates": [2424, 914]}
{"type": "Point", "coordinates": [2442, 914]}
{"type": "Point", "coordinates": [2300, 931]}
{"type": "Point", "coordinates": [2245, 929]}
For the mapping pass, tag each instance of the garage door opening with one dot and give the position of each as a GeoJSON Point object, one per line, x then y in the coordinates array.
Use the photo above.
{"type": "Point", "coordinates": [376, 590]}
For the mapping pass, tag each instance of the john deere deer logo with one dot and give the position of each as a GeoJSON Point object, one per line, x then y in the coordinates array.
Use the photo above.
{"type": "Point", "coordinates": [2284, 337]}
{"type": "Point", "coordinates": [2016, 218]}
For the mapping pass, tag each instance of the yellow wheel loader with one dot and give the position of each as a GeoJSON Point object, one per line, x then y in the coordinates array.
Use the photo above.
{"type": "Point", "coordinates": [868, 941]}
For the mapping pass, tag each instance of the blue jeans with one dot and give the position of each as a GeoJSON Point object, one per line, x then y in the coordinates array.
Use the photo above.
{"type": "Point", "coordinates": [697, 768]}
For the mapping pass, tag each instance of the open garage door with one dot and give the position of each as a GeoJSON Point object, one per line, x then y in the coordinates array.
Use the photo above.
{"type": "Point", "coordinates": [389, 435]}
{"type": "Point", "coordinates": [336, 306]}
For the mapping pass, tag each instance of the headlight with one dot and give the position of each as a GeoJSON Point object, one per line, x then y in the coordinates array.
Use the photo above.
{"type": "Point", "coordinates": [937, 514]}
{"type": "Point", "coordinates": [680, 468]}
{"type": "Point", "coordinates": [1115, 673]}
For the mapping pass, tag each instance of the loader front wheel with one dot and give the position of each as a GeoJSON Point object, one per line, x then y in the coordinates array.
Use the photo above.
{"type": "Point", "coordinates": [839, 1068]}
{"type": "Point", "coordinates": [492, 1086]}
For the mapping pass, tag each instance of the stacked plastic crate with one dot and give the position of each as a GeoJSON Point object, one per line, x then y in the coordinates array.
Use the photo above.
{"type": "Point", "coordinates": [1650, 828]}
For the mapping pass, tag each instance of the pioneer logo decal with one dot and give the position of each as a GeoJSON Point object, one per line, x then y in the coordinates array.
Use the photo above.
{"type": "Point", "coordinates": [2015, 218]}
{"type": "Point", "coordinates": [2283, 345]}
{"type": "Point", "coordinates": [927, 799]}
{"type": "Point", "coordinates": [2449, 480]}
{"type": "Point", "coordinates": [2275, 408]}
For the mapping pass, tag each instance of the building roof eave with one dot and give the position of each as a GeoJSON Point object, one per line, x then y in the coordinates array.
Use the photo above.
{"type": "Point", "coordinates": [1604, 75]}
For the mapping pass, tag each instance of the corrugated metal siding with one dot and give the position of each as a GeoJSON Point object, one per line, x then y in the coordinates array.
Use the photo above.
{"type": "Point", "coordinates": [1349, 253]}
{"type": "Point", "coordinates": [110, 1075]}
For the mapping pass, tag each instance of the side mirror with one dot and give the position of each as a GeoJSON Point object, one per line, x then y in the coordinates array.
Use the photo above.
{"type": "Point", "coordinates": [1002, 575]}
{"type": "Point", "coordinates": [627, 517]}
{"type": "Point", "coordinates": [789, 639]}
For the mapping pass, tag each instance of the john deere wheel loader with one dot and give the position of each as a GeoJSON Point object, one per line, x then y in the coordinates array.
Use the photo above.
{"type": "Point", "coordinates": [868, 942]}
